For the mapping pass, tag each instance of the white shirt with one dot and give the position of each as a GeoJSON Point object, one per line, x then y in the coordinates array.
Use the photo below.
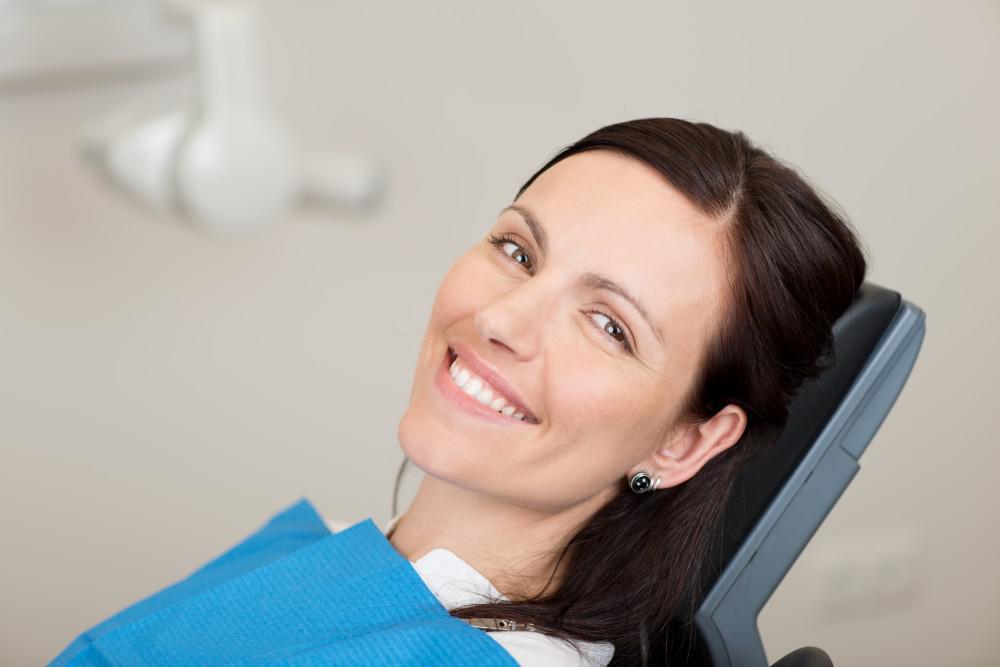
{"type": "Point", "coordinates": [456, 583]}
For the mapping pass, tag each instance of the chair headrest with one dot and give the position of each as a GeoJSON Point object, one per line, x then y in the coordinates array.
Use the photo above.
{"type": "Point", "coordinates": [855, 333]}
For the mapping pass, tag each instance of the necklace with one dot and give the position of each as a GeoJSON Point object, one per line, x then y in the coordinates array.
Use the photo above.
{"type": "Point", "coordinates": [489, 624]}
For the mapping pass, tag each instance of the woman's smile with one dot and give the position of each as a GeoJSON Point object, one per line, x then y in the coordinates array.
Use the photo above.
{"type": "Point", "coordinates": [475, 395]}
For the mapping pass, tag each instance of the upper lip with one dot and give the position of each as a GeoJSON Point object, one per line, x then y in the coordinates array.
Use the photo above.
{"type": "Point", "coordinates": [491, 375]}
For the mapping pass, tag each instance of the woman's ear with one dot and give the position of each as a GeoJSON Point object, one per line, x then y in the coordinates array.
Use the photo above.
{"type": "Point", "coordinates": [682, 457]}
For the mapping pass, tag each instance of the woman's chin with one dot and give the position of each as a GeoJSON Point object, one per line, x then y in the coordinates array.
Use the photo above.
{"type": "Point", "coordinates": [425, 442]}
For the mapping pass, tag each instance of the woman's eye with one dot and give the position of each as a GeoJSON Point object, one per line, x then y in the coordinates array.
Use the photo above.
{"type": "Point", "coordinates": [520, 255]}
{"type": "Point", "coordinates": [614, 329]}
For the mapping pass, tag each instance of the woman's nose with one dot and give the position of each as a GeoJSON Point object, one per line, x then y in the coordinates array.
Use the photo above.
{"type": "Point", "coordinates": [513, 320]}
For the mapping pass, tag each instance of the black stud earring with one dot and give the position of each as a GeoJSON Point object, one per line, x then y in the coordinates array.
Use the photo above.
{"type": "Point", "coordinates": [641, 483]}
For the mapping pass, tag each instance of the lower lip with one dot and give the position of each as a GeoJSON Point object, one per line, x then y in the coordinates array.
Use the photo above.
{"type": "Point", "coordinates": [463, 401]}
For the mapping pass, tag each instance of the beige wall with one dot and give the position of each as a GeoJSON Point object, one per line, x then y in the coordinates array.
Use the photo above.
{"type": "Point", "coordinates": [162, 394]}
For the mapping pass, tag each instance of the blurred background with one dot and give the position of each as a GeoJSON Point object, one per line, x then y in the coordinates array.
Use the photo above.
{"type": "Point", "coordinates": [165, 388]}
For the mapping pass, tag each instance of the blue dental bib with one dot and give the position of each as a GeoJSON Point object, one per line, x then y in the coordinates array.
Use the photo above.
{"type": "Point", "coordinates": [292, 593]}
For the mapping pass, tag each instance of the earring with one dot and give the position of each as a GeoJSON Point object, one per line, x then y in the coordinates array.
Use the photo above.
{"type": "Point", "coordinates": [640, 483]}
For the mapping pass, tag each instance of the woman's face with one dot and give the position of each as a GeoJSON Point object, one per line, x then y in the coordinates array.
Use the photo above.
{"type": "Point", "coordinates": [526, 310]}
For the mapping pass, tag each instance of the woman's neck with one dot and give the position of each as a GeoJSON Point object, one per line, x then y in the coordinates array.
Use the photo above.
{"type": "Point", "coordinates": [514, 547]}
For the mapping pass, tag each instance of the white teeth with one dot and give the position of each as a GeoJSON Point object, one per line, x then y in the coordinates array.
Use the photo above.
{"type": "Point", "coordinates": [473, 386]}
{"type": "Point", "coordinates": [482, 392]}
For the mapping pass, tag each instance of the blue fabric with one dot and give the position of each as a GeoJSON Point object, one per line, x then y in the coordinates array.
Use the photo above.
{"type": "Point", "coordinates": [292, 594]}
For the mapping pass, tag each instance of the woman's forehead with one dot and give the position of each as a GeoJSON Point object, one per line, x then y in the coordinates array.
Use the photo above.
{"type": "Point", "coordinates": [606, 187]}
{"type": "Point", "coordinates": [604, 213]}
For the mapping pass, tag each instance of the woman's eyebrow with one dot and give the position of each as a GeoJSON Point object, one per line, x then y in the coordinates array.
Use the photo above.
{"type": "Point", "coordinates": [536, 229]}
{"type": "Point", "coordinates": [589, 278]}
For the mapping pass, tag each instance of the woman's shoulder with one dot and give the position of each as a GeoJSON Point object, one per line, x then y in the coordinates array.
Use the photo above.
{"type": "Point", "coordinates": [534, 649]}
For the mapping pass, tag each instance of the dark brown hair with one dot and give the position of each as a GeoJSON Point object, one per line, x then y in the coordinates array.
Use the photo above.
{"type": "Point", "coordinates": [634, 573]}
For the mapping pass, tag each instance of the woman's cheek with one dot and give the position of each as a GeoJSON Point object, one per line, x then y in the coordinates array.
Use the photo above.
{"type": "Point", "coordinates": [587, 388]}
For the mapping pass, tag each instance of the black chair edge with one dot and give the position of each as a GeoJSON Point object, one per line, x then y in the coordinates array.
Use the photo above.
{"type": "Point", "coordinates": [807, 656]}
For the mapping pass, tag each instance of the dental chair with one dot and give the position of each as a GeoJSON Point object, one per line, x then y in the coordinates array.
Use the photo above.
{"type": "Point", "coordinates": [781, 497]}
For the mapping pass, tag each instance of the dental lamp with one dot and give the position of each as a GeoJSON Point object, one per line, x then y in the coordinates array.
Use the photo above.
{"type": "Point", "coordinates": [224, 163]}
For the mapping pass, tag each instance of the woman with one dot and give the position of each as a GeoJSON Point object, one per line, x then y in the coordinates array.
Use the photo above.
{"type": "Point", "coordinates": [597, 370]}
{"type": "Point", "coordinates": [594, 374]}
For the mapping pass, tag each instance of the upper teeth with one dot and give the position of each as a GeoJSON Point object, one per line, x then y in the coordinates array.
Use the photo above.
{"type": "Point", "coordinates": [480, 389]}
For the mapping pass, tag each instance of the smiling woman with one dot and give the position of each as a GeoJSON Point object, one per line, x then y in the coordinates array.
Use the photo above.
{"type": "Point", "coordinates": [594, 373]}
{"type": "Point", "coordinates": [599, 368]}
